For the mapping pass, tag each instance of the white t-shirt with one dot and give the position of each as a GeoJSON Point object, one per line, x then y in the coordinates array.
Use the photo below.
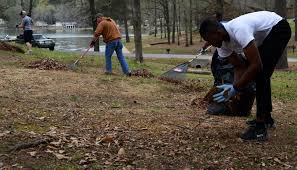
{"type": "Point", "coordinates": [243, 29]}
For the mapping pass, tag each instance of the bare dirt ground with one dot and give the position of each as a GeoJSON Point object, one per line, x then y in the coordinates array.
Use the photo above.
{"type": "Point", "coordinates": [95, 121]}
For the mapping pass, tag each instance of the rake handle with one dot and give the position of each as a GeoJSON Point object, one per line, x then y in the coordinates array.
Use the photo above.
{"type": "Point", "coordinates": [82, 55]}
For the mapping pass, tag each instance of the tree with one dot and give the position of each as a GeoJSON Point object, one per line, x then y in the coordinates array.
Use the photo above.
{"type": "Point", "coordinates": [173, 21]}
{"type": "Point", "coordinates": [137, 30]}
{"type": "Point", "coordinates": [295, 17]}
{"type": "Point", "coordinates": [191, 24]}
{"type": "Point", "coordinates": [165, 6]}
{"type": "Point", "coordinates": [155, 18]}
{"type": "Point", "coordinates": [186, 28]}
{"type": "Point", "coordinates": [178, 25]}
{"type": "Point", "coordinates": [94, 22]}
{"type": "Point", "coordinates": [126, 22]}
{"type": "Point", "coordinates": [281, 8]}
{"type": "Point", "coordinates": [220, 6]}
{"type": "Point", "coordinates": [30, 8]}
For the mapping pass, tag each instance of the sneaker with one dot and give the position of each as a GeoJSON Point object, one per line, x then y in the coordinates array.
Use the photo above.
{"type": "Point", "coordinates": [268, 124]}
{"type": "Point", "coordinates": [129, 74]}
{"type": "Point", "coordinates": [255, 133]}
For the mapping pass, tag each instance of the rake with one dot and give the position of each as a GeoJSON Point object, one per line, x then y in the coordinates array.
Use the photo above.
{"type": "Point", "coordinates": [73, 66]}
{"type": "Point", "coordinates": [178, 73]}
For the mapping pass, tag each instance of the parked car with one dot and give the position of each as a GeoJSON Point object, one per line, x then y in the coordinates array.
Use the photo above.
{"type": "Point", "coordinates": [5, 38]}
{"type": "Point", "coordinates": [39, 41]}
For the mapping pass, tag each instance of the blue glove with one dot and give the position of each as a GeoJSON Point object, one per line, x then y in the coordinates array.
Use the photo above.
{"type": "Point", "coordinates": [228, 90]}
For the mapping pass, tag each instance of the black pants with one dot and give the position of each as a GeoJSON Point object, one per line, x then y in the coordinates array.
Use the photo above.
{"type": "Point", "coordinates": [270, 52]}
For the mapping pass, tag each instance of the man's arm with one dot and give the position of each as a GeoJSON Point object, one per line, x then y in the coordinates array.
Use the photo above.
{"type": "Point", "coordinates": [246, 73]}
{"type": "Point", "coordinates": [97, 33]}
{"type": "Point", "coordinates": [21, 25]}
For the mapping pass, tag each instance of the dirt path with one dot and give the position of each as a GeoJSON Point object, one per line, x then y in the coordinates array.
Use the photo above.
{"type": "Point", "coordinates": [100, 121]}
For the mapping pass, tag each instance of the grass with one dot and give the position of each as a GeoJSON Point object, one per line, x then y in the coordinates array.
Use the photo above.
{"type": "Point", "coordinates": [284, 86]}
{"type": "Point", "coordinates": [162, 48]}
{"type": "Point", "coordinates": [283, 83]}
{"type": "Point", "coordinates": [145, 116]}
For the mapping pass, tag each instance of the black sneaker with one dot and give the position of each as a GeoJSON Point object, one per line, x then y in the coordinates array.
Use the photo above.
{"type": "Point", "coordinates": [268, 124]}
{"type": "Point", "coordinates": [129, 74]}
{"type": "Point", "coordinates": [255, 133]}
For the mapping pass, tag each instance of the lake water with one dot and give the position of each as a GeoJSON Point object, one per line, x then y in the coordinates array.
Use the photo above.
{"type": "Point", "coordinates": [66, 40]}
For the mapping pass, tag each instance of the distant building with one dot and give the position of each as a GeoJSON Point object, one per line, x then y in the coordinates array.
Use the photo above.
{"type": "Point", "coordinates": [69, 25]}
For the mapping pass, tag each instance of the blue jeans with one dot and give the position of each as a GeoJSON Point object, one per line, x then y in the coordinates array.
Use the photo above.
{"type": "Point", "coordinates": [115, 45]}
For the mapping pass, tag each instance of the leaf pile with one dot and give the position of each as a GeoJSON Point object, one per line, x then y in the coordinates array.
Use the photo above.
{"type": "Point", "coordinates": [47, 64]}
{"type": "Point", "coordinates": [7, 47]}
{"type": "Point", "coordinates": [142, 73]}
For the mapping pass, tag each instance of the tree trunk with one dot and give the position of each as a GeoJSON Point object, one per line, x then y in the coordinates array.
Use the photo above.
{"type": "Point", "coordinates": [94, 22]}
{"type": "Point", "coordinates": [137, 31]}
{"type": "Point", "coordinates": [30, 8]}
{"type": "Point", "coordinates": [186, 29]}
{"type": "Point", "coordinates": [179, 28]}
{"type": "Point", "coordinates": [161, 26]}
{"type": "Point", "coordinates": [22, 5]}
{"type": "Point", "coordinates": [191, 24]}
{"type": "Point", "coordinates": [174, 20]}
{"type": "Point", "coordinates": [295, 17]}
{"type": "Point", "coordinates": [126, 23]}
{"type": "Point", "coordinates": [155, 21]}
{"type": "Point", "coordinates": [220, 6]}
{"type": "Point", "coordinates": [281, 8]}
{"type": "Point", "coordinates": [165, 5]}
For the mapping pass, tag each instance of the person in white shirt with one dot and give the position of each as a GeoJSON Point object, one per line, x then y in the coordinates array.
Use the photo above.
{"type": "Point", "coordinates": [262, 37]}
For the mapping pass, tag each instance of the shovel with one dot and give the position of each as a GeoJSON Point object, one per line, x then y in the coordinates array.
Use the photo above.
{"type": "Point", "coordinates": [73, 66]}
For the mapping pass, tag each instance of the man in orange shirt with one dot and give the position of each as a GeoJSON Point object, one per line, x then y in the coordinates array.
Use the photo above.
{"type": "Point", "coordinates": [112, 37]}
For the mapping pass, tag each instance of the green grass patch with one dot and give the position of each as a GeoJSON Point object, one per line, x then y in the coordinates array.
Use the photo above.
{"type": "Point", "coordinates": [35, 127]}
{"type": "Point", "coordinates": [74, 98]}
{"type": "Point", "coordinates": [284, 86]}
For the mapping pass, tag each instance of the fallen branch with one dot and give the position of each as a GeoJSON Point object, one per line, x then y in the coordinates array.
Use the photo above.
{"type": "Point", "coordinates": [30, 144]}
{"type": "Point", "coordinates": [157, 43]}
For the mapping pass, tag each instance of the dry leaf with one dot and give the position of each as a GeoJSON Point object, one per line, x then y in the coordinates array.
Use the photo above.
{"type": "Point", "coordinates": [60, 156]}
{"type": "Point", "coordinates": [106, 139]}
{"type": "Point", "coordinates": [33, 153]}
{"type": "Point", "coordinates": [4, 133]}
{"type": "Point", "coordinates": [41, 118]}
{"type": "Point", "coordinates": [56, 143]}
{"type": "Point", "coordinates": [49, 151]}
{"type": "Point", "coordinates": [121, 153]}
{"type": "Point", "coordinates": [81, 162]}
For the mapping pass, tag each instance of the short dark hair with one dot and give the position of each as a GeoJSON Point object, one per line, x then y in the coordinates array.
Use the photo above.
{"type": "Point", "coordinates": [207, 26]}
